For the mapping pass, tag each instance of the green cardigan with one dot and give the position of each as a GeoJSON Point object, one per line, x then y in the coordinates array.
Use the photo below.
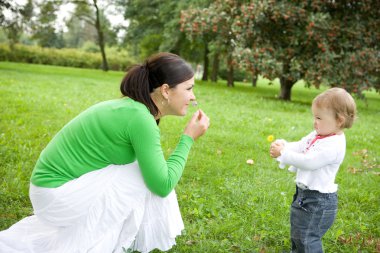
{"type": "Point", "coordinates": [118, 131]}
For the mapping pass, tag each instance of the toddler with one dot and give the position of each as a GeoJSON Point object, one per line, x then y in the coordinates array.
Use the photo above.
{"type": "Point", "coordinates": [316, 159]}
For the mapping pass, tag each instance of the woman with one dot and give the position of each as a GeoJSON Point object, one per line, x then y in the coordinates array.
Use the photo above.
{"type": "Point", "coordinates": [102, 184]}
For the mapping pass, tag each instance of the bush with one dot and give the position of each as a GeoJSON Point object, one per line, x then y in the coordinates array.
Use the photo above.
{"type": "Point", "coordinates": [63, 57]}
{"type": "Point", "coordinates": [240, 75]}
{"type": "Point", "coordinates": [90, 47]}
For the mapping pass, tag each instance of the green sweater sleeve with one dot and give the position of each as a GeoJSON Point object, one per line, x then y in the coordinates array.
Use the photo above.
{"type": "Point", "coordinates": [159, 175]}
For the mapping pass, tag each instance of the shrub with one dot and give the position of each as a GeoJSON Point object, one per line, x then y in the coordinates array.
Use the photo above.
{"type": "Point", "coordinates": [91, 47]}
{"type": "Point", "coordinates": [62, 57]}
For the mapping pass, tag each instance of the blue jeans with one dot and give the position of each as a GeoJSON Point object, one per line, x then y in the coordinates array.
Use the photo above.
{"type": "Point", "coordinates": [312, 214]}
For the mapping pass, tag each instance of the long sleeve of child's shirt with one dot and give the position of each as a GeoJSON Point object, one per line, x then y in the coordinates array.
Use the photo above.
{"type": "Point", "coordinates": [318, 164]}
{"type": "Point", "coordinates": [296, 146]}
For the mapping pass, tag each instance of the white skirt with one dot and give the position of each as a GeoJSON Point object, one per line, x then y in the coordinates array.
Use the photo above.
{"type": "Point", "coordinates": [107, 210]}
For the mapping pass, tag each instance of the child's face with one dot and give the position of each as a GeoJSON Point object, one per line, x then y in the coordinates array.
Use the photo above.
{"type": "Point", "coordinates": [325, 122]}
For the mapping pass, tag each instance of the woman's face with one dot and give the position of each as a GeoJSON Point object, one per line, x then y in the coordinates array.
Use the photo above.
{"type": "Point", "coordinates": [180, 97]}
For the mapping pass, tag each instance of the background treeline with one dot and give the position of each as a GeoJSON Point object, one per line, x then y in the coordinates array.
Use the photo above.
{"type": "Point", "coordinates": [321, 42]}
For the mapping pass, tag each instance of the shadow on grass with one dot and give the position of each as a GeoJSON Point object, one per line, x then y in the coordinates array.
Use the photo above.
{"type": "Point", "coordinates": [300, 95]}
{"type": "Point", "coordinates": [265, 91]}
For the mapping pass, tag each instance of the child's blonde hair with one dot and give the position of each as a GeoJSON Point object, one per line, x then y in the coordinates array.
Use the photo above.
{"type": "Point", "coordinates": [341, 102]}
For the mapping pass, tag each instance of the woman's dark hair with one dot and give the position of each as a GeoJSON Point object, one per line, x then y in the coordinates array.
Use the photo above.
{"type": "Point", "coordinates": [157, 70]}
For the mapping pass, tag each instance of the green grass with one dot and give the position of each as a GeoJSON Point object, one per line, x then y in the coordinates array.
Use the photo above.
{"type": "Point", "coordinates": [227, 205]}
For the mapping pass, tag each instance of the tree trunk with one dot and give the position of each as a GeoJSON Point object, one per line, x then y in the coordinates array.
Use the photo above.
{"type": "Point", "coordinates": [100, 38]}
{"type": "Point", "coordinates": [286, 88]}
{"type": "Point", "coordinates": [254, 80]}
{"type": "Point", "coordinates": [230, 73]}
{"type": "Point", "coordinates": [205, 63]}
{"type": "Point", "coordinates": [13, 35]}
{"type": "Point", "coordinates": [215, 67]}
{"type": "Point", "coordinates": [286, 82]}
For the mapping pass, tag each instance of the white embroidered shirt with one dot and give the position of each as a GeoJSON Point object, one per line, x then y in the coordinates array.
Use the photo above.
{"type": "Point", "coordinates": [317, 165]}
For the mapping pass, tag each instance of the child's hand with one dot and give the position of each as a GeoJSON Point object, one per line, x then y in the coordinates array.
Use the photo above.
{"type": "Point", "coordinates": [275, 149]}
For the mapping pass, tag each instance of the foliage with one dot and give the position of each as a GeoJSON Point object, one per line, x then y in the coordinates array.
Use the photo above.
{"type": "Point", "coordinates": [213, 25]}
{"type": "Point", "coordinates": [44, 29]}
{"type": "Point", "coordinates": [144, 21]}
{"type": "Point", "coordinates": [227, 205]}
{"type": "Point", "coordinates": [82, 25]}
{"type": "Point", "coordinates": [90, 47]}
{"type": "Point", "coordinates": [64, 57]}
{"type": "Point", "coordinates": [240, 74]}
{"type": "Point", "coordinates": [334, 42]}
{"type": "Point", "coordinates": [4, 5]}
{"type": "Point", "coordinates": [158, 20]}
{"type": "Point", "coordinates": [150, 44]}
{"type": "Point", "coordinates": [20, 18]}
{"type": "Point", "coordinates": [79, 32]}
{"type": "Point", "coordinates": [92, 13]}
{"type": "Point", "coordinates": [213, 22]}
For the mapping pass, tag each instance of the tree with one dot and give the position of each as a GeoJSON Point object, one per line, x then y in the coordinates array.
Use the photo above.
{"type": "Point", "coordinates": [78, 32]}
{"type": "Point", "coordinates": [20, 18]}
{"type": "Point", "coordinates": [332, 42]}
{"type": "Point", "coordinates": [173, 39]}
{"type": "Point", "coordinates": [44, 28]}
{"type": "Point", "coordinates": [81, 31]}
{"type": "Point", "coordinates": [4, 5]}
{"type": "Point", "coordinates": [91, 12]}
{"type": "Point", "coordinates": [252, 52]}
{"type": "Point", "coordinates": [158, 22]}
{"type": "Point", "coordinates": [215, 62]}
{"type": "Point", "coordinates": [213, 24]}
{"type": "Point", "coordinates": [197, 35]}
{"type": "Point", "coordinates": [145, 25]}
{"type": "Point", "coordinates": [350, 45]}
{"type": "Point", "coordinates": [101, 41]}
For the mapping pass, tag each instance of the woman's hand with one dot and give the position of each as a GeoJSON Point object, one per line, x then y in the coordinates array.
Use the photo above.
{"type": "Point", "coordinates": [275, 149]}
{"type": "Point", "coordinates": [197, 125]}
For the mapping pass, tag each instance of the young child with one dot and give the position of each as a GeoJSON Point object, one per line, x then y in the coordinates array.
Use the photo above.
{"type": "Point", "coordinates": [316, 159]}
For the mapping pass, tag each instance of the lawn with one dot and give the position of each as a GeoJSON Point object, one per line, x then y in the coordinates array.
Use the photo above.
{"type": "Point", "coordinates": [227, 205]}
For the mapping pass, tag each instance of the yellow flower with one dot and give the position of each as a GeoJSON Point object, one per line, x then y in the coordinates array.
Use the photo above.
{"type": "Point", "coordinates": [270, 138]}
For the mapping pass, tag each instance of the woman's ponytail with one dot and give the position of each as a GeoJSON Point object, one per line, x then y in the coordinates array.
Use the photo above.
{"type": "Point", "coordinates": [159, 69]}
{"type": "Point", "coordinates": [137, 85]}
